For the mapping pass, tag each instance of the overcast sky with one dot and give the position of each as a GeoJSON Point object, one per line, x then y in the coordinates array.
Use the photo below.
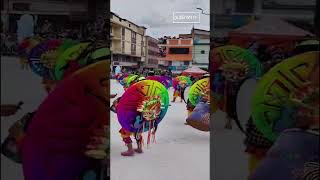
{"type": "Point", "coordinates": [157, 15]}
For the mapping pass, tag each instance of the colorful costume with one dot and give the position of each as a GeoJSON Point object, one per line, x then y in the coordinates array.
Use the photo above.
{"type": "Point", "coordinates": [179, 91]}
{"type": "Point", "coordinates": [57, 138]}
{"type": "Point", "coordinates": [144, 120]}
{"type": "Point", "coordinates": [141, 109]}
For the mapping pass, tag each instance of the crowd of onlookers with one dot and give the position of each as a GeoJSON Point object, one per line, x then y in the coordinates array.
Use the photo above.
{"type": "Point", "coordinates": [146, 72]}
{"type": "Point", "coordinates": [9, 41]}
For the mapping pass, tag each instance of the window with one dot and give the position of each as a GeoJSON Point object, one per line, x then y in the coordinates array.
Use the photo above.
{"type": "Point", "coordinates": [179, 50]}
{"type": "Point", "coordinates": [123, 31]}
{"type": "Point", "coordinates": [203, 51]}
{"type": "Point", "coordinates": [133, 35]}
{"type": "Point", "coordinates": [133, 49]}
{"type": "Point", "coordinates": [186, 63]}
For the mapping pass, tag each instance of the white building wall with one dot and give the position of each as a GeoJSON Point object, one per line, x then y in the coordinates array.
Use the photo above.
{"type": "Point", "coordinates": [198, 57]}
{"type": "Point", "coordinates": [198, 48]}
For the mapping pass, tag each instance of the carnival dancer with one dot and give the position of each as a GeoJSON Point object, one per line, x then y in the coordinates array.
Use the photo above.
{"type": "Point", "coordinates": [303, 116]}
{"type": "Point", "coordinates": [190, 106]}
{"type": "Point", "coordinates": [204, 97]}
{"type": "Point", "coordinates": [299, 138]}
{"type": "Point", "coordinates": [149, 111]}
{"type": "Point", "coordinates": [200, 115]}
{"type": "Point", "coordinates": [234, 73]}
{"type": "Point", "coordinates": [179, 92]}
{"type": "Point", "coordinates": [66, 149]}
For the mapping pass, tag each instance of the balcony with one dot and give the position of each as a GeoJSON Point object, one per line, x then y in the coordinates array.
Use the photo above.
{"type": "Point", "coordinates": [116, 50]}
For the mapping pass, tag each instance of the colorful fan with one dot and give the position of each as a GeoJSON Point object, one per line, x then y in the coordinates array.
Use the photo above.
{"type": "Point", "coordinates": [123, 82]}
{"type": "Point", "coordinates": [66, 45]}
{"type": "Point", "coordinates": [71, 54]}
{"type": "Point", "coordinates": [176, 80]}
{"type": "Point", "coordinates": [306, 99]}
{"type": "Point", "coordinates": [133, 98]}
{"type": "Point", "coordinates": [41, 57]}
{"type": "Point", "coordinates": [49, 58]}
{"type": "Point", "coordinates": [274, 88]}
{"type": "Point", "coordinates": [162, 79]}
{"type": "Point", "coordinates": [95, 55]}
{"type": "Point", "coordinates": [234, 57]}
{"type": "Point", "coordinates": [197, 89]}
{"type": "Point", "coordinates": [130, 79]}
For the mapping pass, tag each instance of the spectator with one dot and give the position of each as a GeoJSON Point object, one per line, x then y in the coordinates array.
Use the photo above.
{"type": "Point", "coordinates": [46, 27]}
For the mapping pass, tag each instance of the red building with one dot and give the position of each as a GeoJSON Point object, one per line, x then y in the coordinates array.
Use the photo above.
{"type": "Point", "coordinates": [178, 54]}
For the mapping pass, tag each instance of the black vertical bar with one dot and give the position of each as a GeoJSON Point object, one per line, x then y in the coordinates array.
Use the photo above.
{"type": "Point", "coordinates": [317, 18]}
{"type": "Point", "coordinates": [212, 25]}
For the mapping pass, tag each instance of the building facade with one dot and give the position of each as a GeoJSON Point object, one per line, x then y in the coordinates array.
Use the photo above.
{"type": "Point", "coordinates": [201, 48]}
{"type": "Point", "coordinates": [231, 14]}
{"type": "Point", "coordinates": [128, 43]}
{"type": "Point", "coordinates": [152, 54]}
{"type": "Point", "coordinates": [178, 54]}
